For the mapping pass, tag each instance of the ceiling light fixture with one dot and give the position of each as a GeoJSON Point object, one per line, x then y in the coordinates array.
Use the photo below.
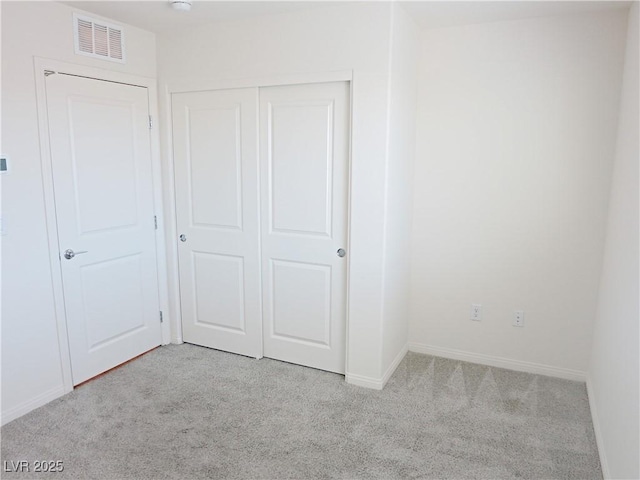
{"type": "Point", "coordinates": [180, 5]}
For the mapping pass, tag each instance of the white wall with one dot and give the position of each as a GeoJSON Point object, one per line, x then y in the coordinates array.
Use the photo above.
{"type": "Point", "coordinates": [614, 369]}
{"type": "Point", "coordinates": [31, 365]}
{"type": "Point", "coordinates": [516, 131]}
{"type": "Point", "coordinates": [326, 39]}
{"type": "Point", "coordinates": [403, 82]}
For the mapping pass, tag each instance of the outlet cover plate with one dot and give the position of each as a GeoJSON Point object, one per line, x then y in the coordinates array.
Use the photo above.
{"type": "Point", "coordinates": [518, 318]}
{"type": "Point", "coordinates": [476, 312]}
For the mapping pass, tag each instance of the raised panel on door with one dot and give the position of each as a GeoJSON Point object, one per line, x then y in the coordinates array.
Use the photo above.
{"type": "Point", "coordinates": [216, 171]}
{"type": "Point", "coordinates": [215, 167]}
{"type": "Point", "coordinates": [106, 320]}
{"type": "Point", "coordinates": [304, 170]}
{"type": "Point", "coordinates": [300, 167]}
{"type": "Point", "coordinates": [103, 155]}
{"type": "Point", "coordinates": [224, 275]}
{"type": "Point", "coordinates": [103, 182]}
{"type": "Point", "coordinates": [305, 317]}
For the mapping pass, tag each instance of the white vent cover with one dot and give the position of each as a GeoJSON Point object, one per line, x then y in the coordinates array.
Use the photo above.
{"type": "Point", "coordinates": [98, 39]}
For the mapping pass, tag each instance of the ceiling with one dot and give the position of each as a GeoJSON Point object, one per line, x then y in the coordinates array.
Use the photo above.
{"type": "Point", "coordinates": [157, 16]}
{"type": "Point", "coordinates": [445, 14]}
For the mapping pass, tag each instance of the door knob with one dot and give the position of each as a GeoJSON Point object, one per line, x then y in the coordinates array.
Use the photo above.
{"type": "Point", "coordinates": [183, 238]}
{"type": "Point", "coordinates": [341, 252]}
{"type": "Point", "coordinates": [69, 254]}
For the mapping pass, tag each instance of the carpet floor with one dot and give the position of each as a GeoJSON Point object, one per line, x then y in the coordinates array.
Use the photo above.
{"type": "Point", "coordinates": [185, 412]}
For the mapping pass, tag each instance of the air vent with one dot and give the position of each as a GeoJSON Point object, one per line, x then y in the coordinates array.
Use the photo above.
{"type": "Point", "coordinates": [95, 38]}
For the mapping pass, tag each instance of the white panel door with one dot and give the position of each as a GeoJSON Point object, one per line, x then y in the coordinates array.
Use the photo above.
{"type": "Point", "coordinates": [100, 154]}
{"type": "Point", "coordinates": [216, 175]}
{"type": "Point", "coordinates": [304, 152]}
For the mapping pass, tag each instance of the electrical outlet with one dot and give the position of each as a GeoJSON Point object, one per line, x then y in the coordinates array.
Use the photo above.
{"type": "Point", "coordinates": [476, 312]}
{"type": "Point", "coordinates": [518, 318]}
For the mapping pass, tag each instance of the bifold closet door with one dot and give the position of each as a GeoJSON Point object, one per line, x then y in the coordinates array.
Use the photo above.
{"type": "Point", "coordinates": [216, 175]}
{"type": "Point", "coordinates": [304, 152]}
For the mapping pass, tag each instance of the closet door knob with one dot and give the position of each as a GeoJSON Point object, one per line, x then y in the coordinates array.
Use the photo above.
{"type": "Point", "coordinates": [183, 238]}
{"type": "Point", "coordinates": [69, 254]}
{"type": "Point", "coordinates": [341, 252]}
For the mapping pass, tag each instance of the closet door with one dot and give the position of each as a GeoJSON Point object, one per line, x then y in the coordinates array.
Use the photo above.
{"type": "Point", "coordinates": [304, 152]}
{"type": "Point", "coordinates": [216, 175]}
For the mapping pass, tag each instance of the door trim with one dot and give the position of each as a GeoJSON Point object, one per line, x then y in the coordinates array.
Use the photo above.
{"type": "Point", "coordinates": [168, 89]}
{"type": "Point", "coordinates": [190, 86]}
{"type": "Point", "coordinates": [40, 65]}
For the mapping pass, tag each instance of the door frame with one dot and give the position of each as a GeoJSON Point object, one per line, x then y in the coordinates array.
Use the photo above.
{"type": "Point", "coordinates": [168, 89]}
{"type": "Point", "coordinates": [40, 66]}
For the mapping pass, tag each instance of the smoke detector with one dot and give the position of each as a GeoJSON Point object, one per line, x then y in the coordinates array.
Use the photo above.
{"type": "Point", "coordinates": [180, 5]}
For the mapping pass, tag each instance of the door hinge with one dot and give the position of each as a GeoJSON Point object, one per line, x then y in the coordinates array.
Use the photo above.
{"type": "Point", "coordinates": [155, 221]}
{"type": "Point", "coordinates": [161, 320]}
{"type": "Point", "coordinates": [150, 122]}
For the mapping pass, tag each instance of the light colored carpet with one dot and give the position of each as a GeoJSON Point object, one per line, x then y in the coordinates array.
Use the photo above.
{"type": "Point", "coordinates": [184, 412]}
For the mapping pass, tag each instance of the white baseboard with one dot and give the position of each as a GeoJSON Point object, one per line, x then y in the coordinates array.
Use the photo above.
{"type": "Point", "coordinates": [500, 362]}
{"type": "Point", "coordinates": [362, 381]}
{"type": "Point", "coordinates": [394, 364]}
{"type": "Point", "coordinates": [596, 428]}
{"type": "Point", "coordinates": [377, 383]}
{"type": "Point", "coordinates": [32, 404]}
